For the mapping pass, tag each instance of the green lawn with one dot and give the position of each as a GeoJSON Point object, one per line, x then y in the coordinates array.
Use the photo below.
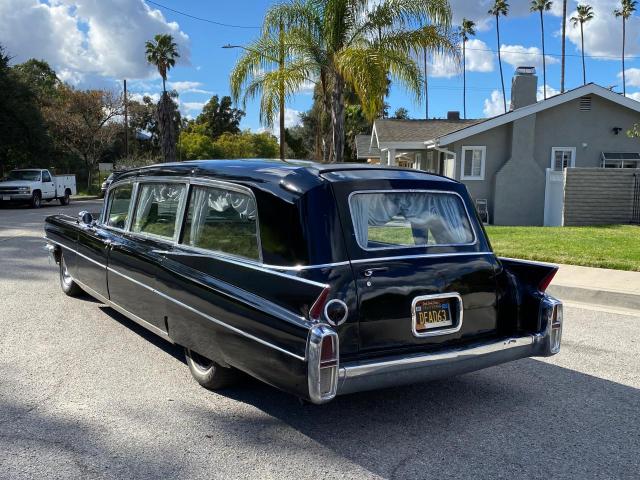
{"type": "Point", "coordinates": [615, 246]}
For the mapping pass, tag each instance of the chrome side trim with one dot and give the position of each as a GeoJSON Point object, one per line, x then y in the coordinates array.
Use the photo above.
{"type": "Point", "coordinates": [414, 190]}
{"type": "Point", "coordinates": [76, 252]}
{"type": "Point", "coordinates": [208, 317]}
{"type": "Point", "coordinates": [177, 302]}
{"type": "Point", "coordinates": [424, 255]}
{"type": "Point", "coordinates": [126, 313]}
{"type": "Point", "coordinates": [442, 331]}
{"type": "Point", "coordinates": [255, 266]}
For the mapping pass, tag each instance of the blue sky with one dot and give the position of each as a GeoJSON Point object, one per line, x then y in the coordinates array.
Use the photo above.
{"type": "Point", "coordinates": [95, 43]}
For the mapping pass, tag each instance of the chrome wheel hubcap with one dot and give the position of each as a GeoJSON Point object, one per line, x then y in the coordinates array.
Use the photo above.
{"type": "Point", "coordinates": [200, 363]}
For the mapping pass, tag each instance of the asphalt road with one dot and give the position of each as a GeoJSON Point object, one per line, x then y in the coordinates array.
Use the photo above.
{"type": "Point", "coordinates": [85, 393]}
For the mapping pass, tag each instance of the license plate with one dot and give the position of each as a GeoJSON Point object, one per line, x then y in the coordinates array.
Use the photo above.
{"type": "Point", "coordinates": [6, 199]}
{"type": "Point", "coordinates": [432, 313]}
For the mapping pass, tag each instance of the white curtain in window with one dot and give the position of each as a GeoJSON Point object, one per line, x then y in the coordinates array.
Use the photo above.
{"type": "Point", "coordinates": [205, 199]}
{"type": "Point", "coordinates": [151, 193]}
{"type": "Point", "coordinates": [442, 214]}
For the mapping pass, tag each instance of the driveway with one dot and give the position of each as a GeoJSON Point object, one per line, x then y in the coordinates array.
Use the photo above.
{"type": "Point", "coordinates": [85, 393]}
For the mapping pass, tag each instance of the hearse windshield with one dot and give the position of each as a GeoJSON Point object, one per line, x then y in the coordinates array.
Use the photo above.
{"type": "Point", "coordinates": [28, 175]}
{"type": "Point", "coordinates": [400, 219]}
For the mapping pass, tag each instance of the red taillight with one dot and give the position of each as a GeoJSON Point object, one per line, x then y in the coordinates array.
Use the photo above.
{"type": "Point", "coordinates": [544, 283]}
{"type": "Point", "coordinates": [328, 356]}
{"type": "Point", "coordinates": [315, 312]}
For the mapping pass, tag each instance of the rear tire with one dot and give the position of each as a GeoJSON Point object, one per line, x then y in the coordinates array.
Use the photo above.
{"type": "Point", "coordinates": [67, 284]}
{"type": "Point", "coordinates": [65, 200]}
{"type": "Point", "coordinates": [36, 199]}
{"type": "Point", "coordinates": [208, 373]}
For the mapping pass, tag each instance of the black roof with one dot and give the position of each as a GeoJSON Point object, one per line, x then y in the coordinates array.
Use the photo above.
{"type": "Point", "coordinates": [299, 175]}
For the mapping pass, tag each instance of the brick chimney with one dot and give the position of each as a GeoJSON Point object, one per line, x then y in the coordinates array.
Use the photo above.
{"type": "Point", "coordinates": [453, 115]}
{"type": "Point", "coordinates": [524, 87]}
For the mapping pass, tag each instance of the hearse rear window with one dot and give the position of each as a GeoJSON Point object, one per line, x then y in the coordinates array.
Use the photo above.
{"type": "Point", "coordinates": [222, 220]}
{"type": "Point", "coordinates": [157, 208]}
{"type": "Point", "coordinates": [397, 219]}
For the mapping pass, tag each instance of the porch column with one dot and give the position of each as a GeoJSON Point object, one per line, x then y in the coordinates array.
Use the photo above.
{"type": "Point", "coordinates": [391, 157]}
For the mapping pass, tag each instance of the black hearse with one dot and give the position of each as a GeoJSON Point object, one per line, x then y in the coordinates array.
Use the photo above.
{"type": "Point", "coordinates": [318, 279]}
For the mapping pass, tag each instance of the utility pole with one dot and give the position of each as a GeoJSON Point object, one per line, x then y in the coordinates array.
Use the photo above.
{"type": "Point", "coordinates": [126, 121]}
{"type": "Point", "coordinates": [426, 87]}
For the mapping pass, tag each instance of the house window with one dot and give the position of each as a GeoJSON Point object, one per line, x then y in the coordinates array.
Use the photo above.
{"type": "Point", "coordinates": [562, 157]}
{"type": "Point", "coordinates": [473, 160]}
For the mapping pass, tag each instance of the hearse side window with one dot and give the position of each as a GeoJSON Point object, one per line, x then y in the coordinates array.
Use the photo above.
{"type": "Point", "coordinates": [222, 220]}
{"type": "Point", "coordinates": [407, 219]}
{"type": "Point", "coordinates": [157, 208]}
{"type": "Point", "coordinates": [119, 201]}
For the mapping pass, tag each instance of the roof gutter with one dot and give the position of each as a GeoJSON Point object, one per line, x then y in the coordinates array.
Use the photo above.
{"type": "Point", "coordinates": [434, 144]}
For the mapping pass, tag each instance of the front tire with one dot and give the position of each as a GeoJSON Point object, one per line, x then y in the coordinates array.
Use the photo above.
{"type": "Point", "coordinates": [208, 373]}
{"type": "Point", "coordinates": [67, 284]}
{"type": "Point", "coordinates": [36, 200]}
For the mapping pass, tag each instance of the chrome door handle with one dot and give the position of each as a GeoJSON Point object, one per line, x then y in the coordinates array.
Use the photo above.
{"type": "Point", "coordinates": [370, 271]}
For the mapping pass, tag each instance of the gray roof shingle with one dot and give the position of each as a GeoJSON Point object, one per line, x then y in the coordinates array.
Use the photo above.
{"type": "Point", "coordinates": [394, 130]}
{"type": "Point", "coordinates": [362, 147]}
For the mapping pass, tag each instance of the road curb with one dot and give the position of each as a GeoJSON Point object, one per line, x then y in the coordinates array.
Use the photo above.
{"type": "Point", "coordinates": [87, 198]}
{"type": "Point", "coordinates": [597, 297]}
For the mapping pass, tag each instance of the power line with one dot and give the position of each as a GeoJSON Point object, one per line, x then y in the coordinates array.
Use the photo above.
{"type": "Point", "coordinates": [518, 52]}
{"type": "Point", "coordinates": [221, 24]}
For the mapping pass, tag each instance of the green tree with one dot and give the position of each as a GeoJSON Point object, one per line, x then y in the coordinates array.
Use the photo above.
{"type": "Point", "coordinates": [627, 7]}
{"type": "Point", "coordinates": [162, 52]}
{"type": "Point", "coordinates": [23, 133]}
{"type": "Point", "coordinates": [41, 78]}
{"type": "Point", "coordinates": [246, 145]}
{"type": "Point", "coordinates": [219, 116]}
{"type": "Point", "coordinates": [585, 14]}
{"type": "Point", "coordinates": [401, 114]}
{"type": "Point", "coordinates": [500, 8]}
{"type": "Point", "coordinates": [542, 6]}
{"type": "Point", "coordinates": [341, 44]}
{"type": "Point", "coordinates": [196, 144]}
{"type": "Point", "coordinates": [468, 29]}
{"type": "Point", "coordinates": [82, 122]}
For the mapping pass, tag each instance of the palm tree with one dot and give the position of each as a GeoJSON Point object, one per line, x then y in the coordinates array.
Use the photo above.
{"type": "Point", "coordinates": [542, 6]}
{"type": "Point", "coordinates": [347, 44]}
{"type": "Point", "coordinates": [628, 7]}
{"type": "Point", "coordinates": [585, 14]}
{"type": "Point", "coordinates": [162, 52]}
{"type": "Point", "coordinates": [468, 29]}
{"type": "Point", "coordinates": [564, 41]}
{"type": "Point", "coordinates": [269, 70]}
{"type": "Point", "coordinates": [500, 7]}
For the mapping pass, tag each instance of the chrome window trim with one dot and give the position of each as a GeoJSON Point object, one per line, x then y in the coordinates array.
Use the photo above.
{"type": "Point", "coordinates": [422, 255]}
{"type": "Point", "coordinates": [441, 331]}
{"type": "Point", "coordinates": [212, 183]}
{"type": "Point", "coordinates": [412, 190]}
{"type": "Point", "coordinates": [179, 211]}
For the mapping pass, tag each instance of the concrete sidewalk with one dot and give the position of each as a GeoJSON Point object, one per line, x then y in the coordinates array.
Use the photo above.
{"type": "Point", "coordinates": [600, 286]}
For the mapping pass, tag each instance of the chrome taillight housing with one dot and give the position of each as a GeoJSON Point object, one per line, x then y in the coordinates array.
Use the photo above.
{"type": "Point", "coordinates": [551, 318]}
{"type": "Point", "coordinates": [322, 363]}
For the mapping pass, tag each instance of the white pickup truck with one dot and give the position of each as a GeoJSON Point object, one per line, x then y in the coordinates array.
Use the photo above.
{"type": "Point", "coordinates": [34, 185]}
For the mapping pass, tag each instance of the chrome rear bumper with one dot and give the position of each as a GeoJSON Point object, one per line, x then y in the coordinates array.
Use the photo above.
{"type": "Point", "coordinates": [402, 370]}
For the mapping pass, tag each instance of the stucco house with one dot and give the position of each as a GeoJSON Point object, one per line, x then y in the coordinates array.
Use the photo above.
{"type": "Point", "coordinates": [515, 164]}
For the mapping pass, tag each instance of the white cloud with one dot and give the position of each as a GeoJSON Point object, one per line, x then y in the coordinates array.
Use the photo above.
{"type": "Point", "coordinates": [603, 34]}
{"type": "Point", "coordinates": [192, 106]}
{"type": "Point", "coordinates": [494, 105]}
{"type": "Point", "coordinates": [137, 96]}
{"type": "Point", "coordinates": [519, 56]}
{"type": "Point", "coordinates": [476, 10]}
{"type": "Point", "coordinates": [86, 39]}
{"type": "Point", "coordinates": [479, 59]}
{"type": "Point", "coordinates": [632, 77]}
{"type": "Point", "coordinates": [188, 87]}
{"type": "Point", "coordinates": [634, 96]}
{"type": "Point", "coordinates": [551, 92]}
{"type": "Point", "coordinates": [291, 119]}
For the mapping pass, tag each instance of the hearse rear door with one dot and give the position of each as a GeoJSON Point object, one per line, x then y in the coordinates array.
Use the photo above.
{"type": "Point", "coordinates": [415, 296]}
